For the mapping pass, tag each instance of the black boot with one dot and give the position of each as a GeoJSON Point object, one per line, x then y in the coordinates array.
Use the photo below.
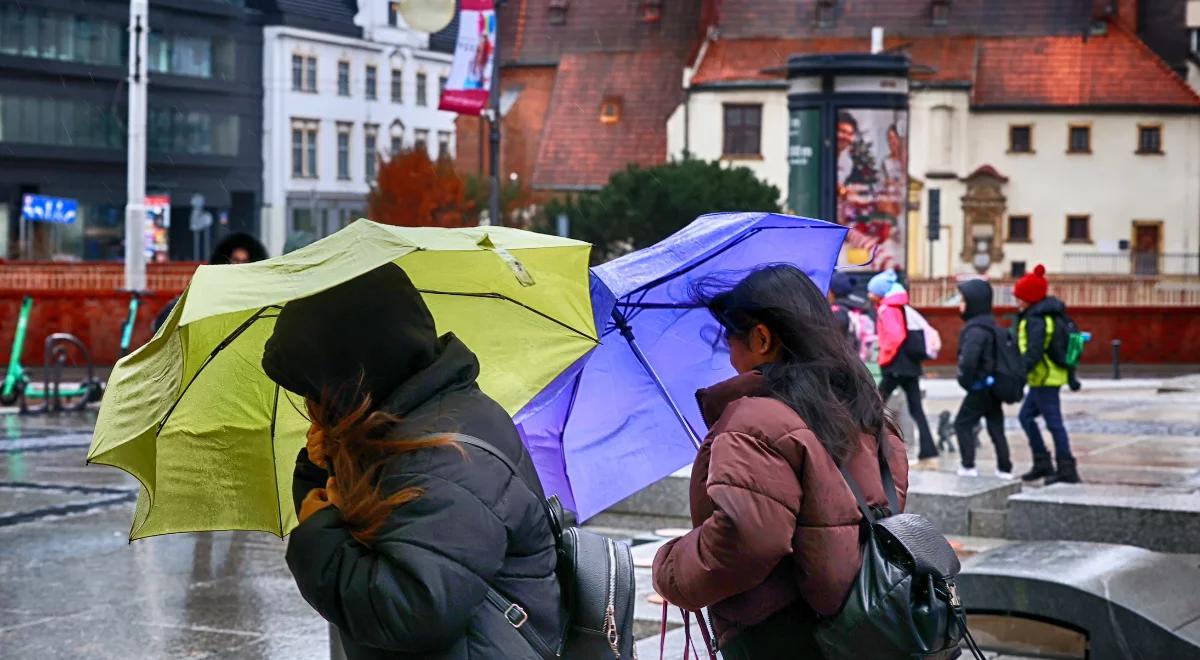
{"type": "Point", "coordinates": [1066, 473]}
{"type": "Point", "coordinates": [1042, 467]}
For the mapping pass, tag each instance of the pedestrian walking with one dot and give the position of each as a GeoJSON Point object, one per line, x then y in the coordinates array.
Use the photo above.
{"type": "Point", "coordinates": [977, 365]}
{"type": "Point", "coordinates": [236, 248]}
{"type": "Point", "coordinates": [853, 313]}
{"type": "Point", "coordinates": [901, 351]}
{"type": "Point", "coordinates": [403, 531]}
{"type": "Point", "coordinates": [776, 543]}
{"type": "Point", "coordinates": [1040, 314]}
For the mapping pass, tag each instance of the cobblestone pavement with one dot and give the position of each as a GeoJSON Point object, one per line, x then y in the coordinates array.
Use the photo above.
{"type": "Point", "coordinates": [71, 586]}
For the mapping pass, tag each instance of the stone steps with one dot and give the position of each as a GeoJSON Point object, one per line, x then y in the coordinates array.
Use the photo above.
{"type": "Point", "coordinates": [955, 504]}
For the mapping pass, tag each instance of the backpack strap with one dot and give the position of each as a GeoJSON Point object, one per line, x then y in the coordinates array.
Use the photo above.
{"type": "Point", "coordinates": [516, 615]}
{"type": "Point", "coordinates": [885, 475]}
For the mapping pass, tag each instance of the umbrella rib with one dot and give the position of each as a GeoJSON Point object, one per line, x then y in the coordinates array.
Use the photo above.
{"type": "Point", "coordinates": [237, 332]}
{"type": "Point", "coordinates": [501, 296]}
{"type": "Point", "coordinates": [707, 258]}
{"type": "Point", "coordinates": [274, 460]}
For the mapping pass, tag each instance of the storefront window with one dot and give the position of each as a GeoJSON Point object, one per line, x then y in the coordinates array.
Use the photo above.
{"type": "Point", "coordinates": [31, 32]}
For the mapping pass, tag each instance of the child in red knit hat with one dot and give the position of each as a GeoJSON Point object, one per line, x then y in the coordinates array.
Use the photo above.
{"type": "Point", "coordinates": [1040, 314]}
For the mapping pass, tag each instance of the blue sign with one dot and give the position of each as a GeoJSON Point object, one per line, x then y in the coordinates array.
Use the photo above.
{"type": "Point", "coordinates": [39, 208]}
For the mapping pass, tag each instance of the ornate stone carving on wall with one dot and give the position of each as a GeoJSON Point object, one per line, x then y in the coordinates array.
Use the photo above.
{"type": "Point", "coordinates": [983, 207]}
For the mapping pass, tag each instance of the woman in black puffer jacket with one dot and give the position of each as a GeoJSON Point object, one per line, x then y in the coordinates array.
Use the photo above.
{"type": "Point", "coordinates": [400, 542]}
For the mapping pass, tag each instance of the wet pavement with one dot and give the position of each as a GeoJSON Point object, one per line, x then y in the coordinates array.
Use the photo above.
{"type": "Point", "coordinates": [71, 586]}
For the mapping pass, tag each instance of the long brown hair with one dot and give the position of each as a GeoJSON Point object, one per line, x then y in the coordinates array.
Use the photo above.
{"type": "Point", "coordinates": [357, 444]}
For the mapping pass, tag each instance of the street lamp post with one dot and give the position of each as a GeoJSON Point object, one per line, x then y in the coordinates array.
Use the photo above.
{"type": "Point", "coordinates": [135, 203]}
{"type": "Point", "coordinates": [494, 217]}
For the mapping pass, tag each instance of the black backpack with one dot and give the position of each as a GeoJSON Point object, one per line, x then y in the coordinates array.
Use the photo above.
{"type": "Point", "coordinates": [1008, 379]}
{"type": "Point", "coordinates": [597, 580]}
{"type": "Point", "coordinates": [904, 603]}
{"type": "Point", "coordinates": [1066, 342]}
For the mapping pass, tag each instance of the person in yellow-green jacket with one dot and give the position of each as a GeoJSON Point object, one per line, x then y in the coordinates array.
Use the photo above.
{"type": "Point", "coordinates": [1035, 328]}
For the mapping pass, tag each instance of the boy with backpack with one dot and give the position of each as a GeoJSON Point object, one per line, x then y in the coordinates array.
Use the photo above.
{"type": "Point", "coordinates": [987, 359]}
{"type": "Point", "coordinates": [853, 314]}
{"type": "Point", "coordinates": [1044, 331]}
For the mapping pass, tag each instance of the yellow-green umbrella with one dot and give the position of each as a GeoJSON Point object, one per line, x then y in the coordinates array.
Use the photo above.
{"type": "Point", "coordinates": [213, 441]}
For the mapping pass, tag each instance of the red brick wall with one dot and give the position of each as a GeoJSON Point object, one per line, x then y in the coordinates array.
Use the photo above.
{"type": "Point", "coordinates": [1149, 335]}
{"type": "Point", "coordinates": [84, 300]}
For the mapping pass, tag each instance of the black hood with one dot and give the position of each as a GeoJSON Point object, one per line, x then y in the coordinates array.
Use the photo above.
{"type": "Point", "coordinates": [374, 329]}
{"type": "Point", "coordinates": [1048, 306]}
{"type": "Point", "coordinates": [977, 294]}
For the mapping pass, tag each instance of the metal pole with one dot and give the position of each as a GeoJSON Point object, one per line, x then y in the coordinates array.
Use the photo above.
{"type": "Point", "coordinates": [1116, 359]}
{"type": "Point", "coordinates": [627, 333]}
{"type": "Point", "coordinates": [494, 216]}
{"type": "Point", "coordinates": [135, 203]}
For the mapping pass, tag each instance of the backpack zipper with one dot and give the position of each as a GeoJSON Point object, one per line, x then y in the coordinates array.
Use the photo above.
{"type": "Point", "coordinates": [610, 615]}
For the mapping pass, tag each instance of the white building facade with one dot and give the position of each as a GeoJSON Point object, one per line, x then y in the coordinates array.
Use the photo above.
{"type": "Point", "coordinates": [336, 105]}
{"type": "Point", "coordinates": [1084, 188]}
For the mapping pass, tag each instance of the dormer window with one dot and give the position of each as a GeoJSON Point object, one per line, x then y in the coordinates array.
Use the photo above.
{"type": "Point", "coordinates": [940, 13]}
{"type": "Point", "coordinates": [651, 11]}
{"type": "Point", "coordinates": [558, 12]}
{"type": "Point", "coordinates": [825, 13]}
{"type": "Point", "coordinates": [610, 110]}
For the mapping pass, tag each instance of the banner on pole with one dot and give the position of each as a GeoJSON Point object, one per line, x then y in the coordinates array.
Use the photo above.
{"type": "Point", "coordinates": [471, 74]}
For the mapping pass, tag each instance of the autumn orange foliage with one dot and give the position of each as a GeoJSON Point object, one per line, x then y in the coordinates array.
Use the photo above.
{"type": "Point", "coordinates": [413, 191]}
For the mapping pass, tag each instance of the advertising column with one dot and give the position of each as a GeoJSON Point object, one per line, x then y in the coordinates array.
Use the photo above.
{"type": "Point", "coordinates": [848, 151]}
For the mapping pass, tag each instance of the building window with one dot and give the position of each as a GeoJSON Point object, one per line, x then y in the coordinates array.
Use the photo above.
{"type": "Point", "coordinates": [370, 140]}
{"type": "Point", "coordinates": [651, 11]}
{"type": "Point", "coordinates": [311, 75]}
{"type": "Point", "coordinates": [825, 13]}
{"type": "Point", "coordinates": [421, 143]}
{"type": "Point", "coordinates": [1018, 229]}
{"type": "Point", "coordinates": [297, 73]}
{"type": "Point", "coordinates": [743, 130]}
{"type": "Point", "coordinates": [443, 144]}
{"type": "Point", "coordinates": [304, 148]}
{"type": "Point", "coordinates": [442, 82]}
{"type": "Point", "coordinates": [1018, 269]}
{"type": "Point", "coordinates": [394, 14]}
{"type": "Point", "coordinates": [343, 150]}
{"type": "Point", "coordinates": [1149, 140]}
{"type": "Point", "coordinates": [397, 144]}
{"type": "Point", "coordinates": [67, 37]}
{"type": "Point", "coordinates": [422, 98]}
{"type": "Point", "coordinates": [397, 86]}
{"type": "Point", "coordinates": [558, 12]}
{"type": "Point", "coordinates": [610, 110]}
{"type": "Point", "coordinates": [372, 79]}
{"type": "Point", "coordinates": [940, 12]}
{"type": "Point", "coordinates": [1020, 139]}
{"type": "Point", "coordinates": [1079, 229]}
{"type": "Point", "coordinates": [343, 78]}
{"type": "Point", "coordinates": [1079, 139]}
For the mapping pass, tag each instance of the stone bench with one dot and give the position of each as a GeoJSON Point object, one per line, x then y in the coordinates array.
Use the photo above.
{"type": "Point", "coordinates": [1127, 602]}
{"type": "Point", "coordinates": [961, 505]}
{"type": "Point", "coordinates": [1153, 518]}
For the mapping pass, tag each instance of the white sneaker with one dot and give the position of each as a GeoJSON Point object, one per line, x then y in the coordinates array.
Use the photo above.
{"type": "Point", "coordinates": [968, 472]}
{"type": "Point", "coordinates": [1007, 476]}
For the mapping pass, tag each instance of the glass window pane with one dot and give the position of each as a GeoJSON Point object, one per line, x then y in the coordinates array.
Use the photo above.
{"type": "Point", "coordinates": [312, 152]}
{"type": "Point", "coordinates": [297, 72]}
{"type": "Point", "coordinates": [297, 152]}
{"type": "Point", "coordinates": [191, 56]}
{"type": "Point", "coordinates": [312, 75]}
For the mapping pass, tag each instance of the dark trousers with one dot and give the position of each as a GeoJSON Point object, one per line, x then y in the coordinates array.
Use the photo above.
{"type": "Point", "coordinates": [786, 634]}
{"type": "Point", "coordinates": [911, 386]}
{"type": "Point", "coordinates": [981, 404]}
{"type": "Point", "coordinates": [1044, 401]}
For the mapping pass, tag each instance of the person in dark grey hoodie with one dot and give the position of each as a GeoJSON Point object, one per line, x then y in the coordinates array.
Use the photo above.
{"type": "Point", "coordinates": [976, 367]}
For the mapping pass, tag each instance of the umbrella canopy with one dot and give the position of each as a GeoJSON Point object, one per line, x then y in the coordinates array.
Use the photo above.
{"type": "Point", "coordinates": [625, 416]}
{"type": "Point", "coordinates": [213, 441]}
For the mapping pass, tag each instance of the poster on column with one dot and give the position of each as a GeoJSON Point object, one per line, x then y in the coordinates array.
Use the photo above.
{"type": "Point", "coordinates": [471, 74]}
{"type": "Point", "coordinates": [872, 185]}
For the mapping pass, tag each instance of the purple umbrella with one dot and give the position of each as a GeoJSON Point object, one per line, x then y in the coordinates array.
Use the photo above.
{"type": "Point", "coordinates": [625, 416]}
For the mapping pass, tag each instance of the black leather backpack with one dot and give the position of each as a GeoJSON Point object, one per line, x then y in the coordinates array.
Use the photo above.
{"type": "Point", "coordinates": [597, 580]}
{"type": "Point", "coordinates": [904, 603]}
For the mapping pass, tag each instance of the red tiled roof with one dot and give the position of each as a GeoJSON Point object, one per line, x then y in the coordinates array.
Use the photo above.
{"type": "Point", "coordinates": [1115, 69]}
{"type": "Point", "coordinates": [577, 149]}
{"type": "Point", "coordinates": [527, 37]}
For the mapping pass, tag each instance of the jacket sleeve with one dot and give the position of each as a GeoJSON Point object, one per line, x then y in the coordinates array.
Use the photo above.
{"type": "Point", "coordinates": [755, 494]}
{"type": "Point", "coordinates": [970, 356]}
{"type": "Point", "coordinates": [1035, 341]}
{"type": "Point", "coordinates": [305, 477]}
{"type": "Point", "coordinates": [416, 587]}
{"type": "Point", "coordinates": [891, 330]}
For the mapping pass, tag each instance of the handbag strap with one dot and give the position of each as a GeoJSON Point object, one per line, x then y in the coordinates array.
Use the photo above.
{"type": "Point", "coordinates": [885, 476]}
{"type": "Point", "coordinates": [512, 612]}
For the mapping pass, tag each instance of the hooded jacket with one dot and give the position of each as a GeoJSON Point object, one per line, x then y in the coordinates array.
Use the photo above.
{"type": "Point", "coordinates": [1035, 328]}
{"type": "Point", "coordinates": [418, 590]}
{"type": "Point", "coordinates": [977, 341]}
{"type": "Point", "coordinates": [775, 522]}
{"type": "Point", "coordinates": [892, 331]}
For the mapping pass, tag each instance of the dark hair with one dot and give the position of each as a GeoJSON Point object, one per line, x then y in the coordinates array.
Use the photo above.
{"type": "Point", "coordinates": [847, 118]}
{"type": "Point", "coordinates": [818, 374]}
{"type": "Point", "coordinates": [237, 241]}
